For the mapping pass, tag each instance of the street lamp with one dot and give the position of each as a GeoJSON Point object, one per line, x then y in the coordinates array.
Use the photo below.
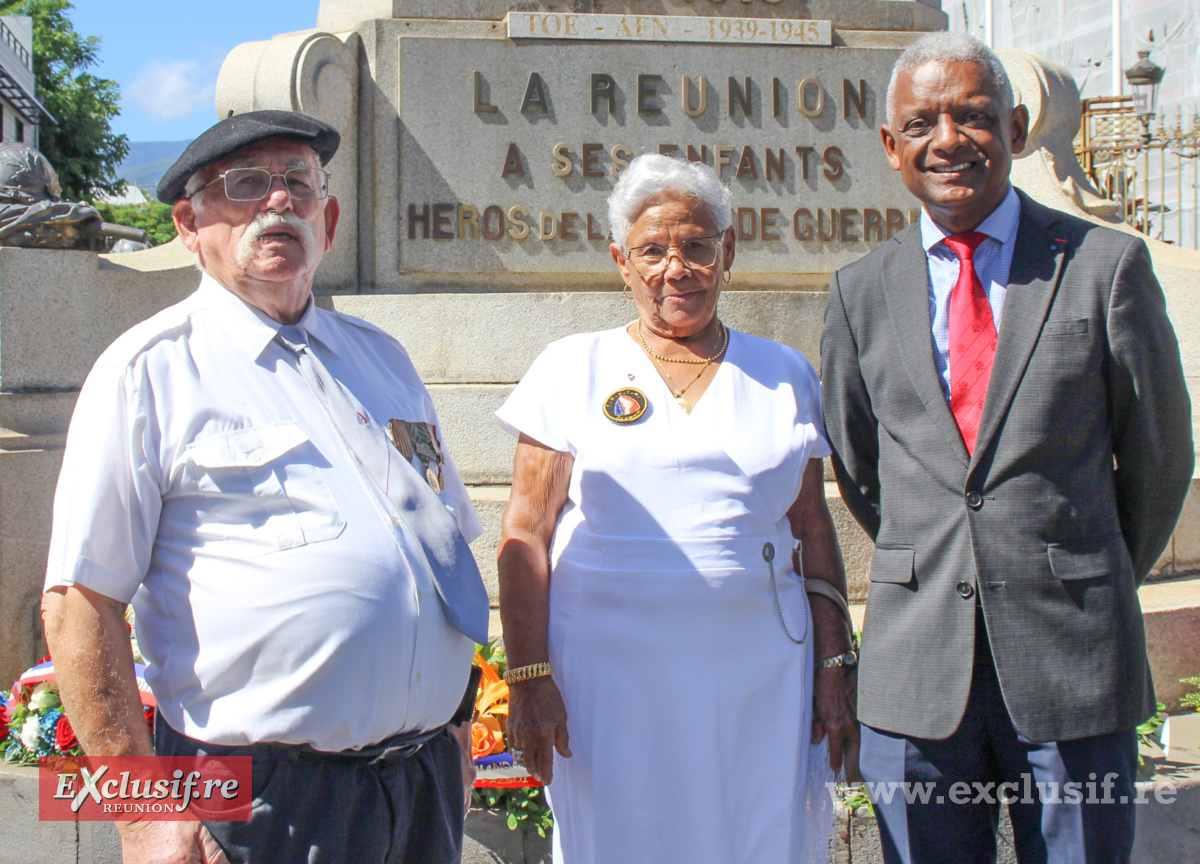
{"type": "Point", "coordinates": [1144, 77]}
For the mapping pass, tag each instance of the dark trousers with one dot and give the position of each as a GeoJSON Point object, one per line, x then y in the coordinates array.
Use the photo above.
{"type": "Point", "coordinates": [398, 807]}
{"type": "Point", "coordinates": [1074, 799]}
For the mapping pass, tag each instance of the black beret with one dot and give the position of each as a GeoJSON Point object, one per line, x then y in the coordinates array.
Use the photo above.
{"type": "Point", "coordinates": [241, 130]}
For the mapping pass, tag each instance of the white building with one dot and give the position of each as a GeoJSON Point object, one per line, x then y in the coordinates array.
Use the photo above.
{"type": "Point", "coordinates": [20, 111]}
{"type": "Point", "coordinates": [1096, 40]}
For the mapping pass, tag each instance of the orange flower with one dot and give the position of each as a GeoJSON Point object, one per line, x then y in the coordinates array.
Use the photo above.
{"type": "Point", "coordinates": [486, 737]}
{"type": "Point", "coordinates": [492, 697]}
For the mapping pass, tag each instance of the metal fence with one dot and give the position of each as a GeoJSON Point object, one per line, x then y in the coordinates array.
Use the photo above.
{"type": "Point", "coordinates": [1150, 171]}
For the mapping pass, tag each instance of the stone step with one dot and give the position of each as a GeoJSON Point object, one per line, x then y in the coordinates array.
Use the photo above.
{"type": "Point", "coordinates": [1171, 614]}
{"type": "Point", "coordinates": [493, 338]}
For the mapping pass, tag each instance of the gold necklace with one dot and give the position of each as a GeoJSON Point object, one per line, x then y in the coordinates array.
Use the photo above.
{"type": "Point", "coordinates": [678, 394]}
{"type": "Point", "coordinates": [699, 361]}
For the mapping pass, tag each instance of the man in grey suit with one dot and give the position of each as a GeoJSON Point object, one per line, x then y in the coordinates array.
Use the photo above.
{"type": "Point", "coordinates": [1005, 401]}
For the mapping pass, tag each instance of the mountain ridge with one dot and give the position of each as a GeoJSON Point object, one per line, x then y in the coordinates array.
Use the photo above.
{"type": "Point", "coordinates": [147, 161]}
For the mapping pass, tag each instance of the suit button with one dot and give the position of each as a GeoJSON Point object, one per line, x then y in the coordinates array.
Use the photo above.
{"type": "Point", "coordinates": [974, 500]}
{"type": "Point", "coordinates": [965, 590]}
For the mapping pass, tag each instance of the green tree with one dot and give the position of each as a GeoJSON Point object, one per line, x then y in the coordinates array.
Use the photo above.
{"type": "Point", "coordinates": [82, 146]}
{"type": "Point", "coordinates": [153, 217]}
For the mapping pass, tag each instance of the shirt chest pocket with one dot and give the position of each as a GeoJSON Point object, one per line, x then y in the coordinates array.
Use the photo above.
{"type": "Point", "coordinates": [262, 488]}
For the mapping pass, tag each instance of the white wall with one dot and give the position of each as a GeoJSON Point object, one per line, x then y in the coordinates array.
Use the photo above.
{"type": "Point", "coordinates": [1077, 34]}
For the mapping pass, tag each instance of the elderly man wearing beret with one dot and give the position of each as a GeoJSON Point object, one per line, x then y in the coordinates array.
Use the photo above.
{"type": "Point", "coordinates": [266, 483]}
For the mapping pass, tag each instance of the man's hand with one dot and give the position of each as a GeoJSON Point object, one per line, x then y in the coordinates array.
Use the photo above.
{"type": "Point", "coordinates": [154, 842]}
{"type": "Point", "coordinates": [537, 725]}
{"type": "Point", "coordinates": [462, 734]}
{"type": "Point", "coordinates": [833, 715]}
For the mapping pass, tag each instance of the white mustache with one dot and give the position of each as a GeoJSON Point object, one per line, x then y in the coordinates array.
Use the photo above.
{"type": "Point", "coordinates": [263, 223]}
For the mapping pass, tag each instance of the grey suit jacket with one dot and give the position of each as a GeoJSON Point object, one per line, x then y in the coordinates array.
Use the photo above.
{"type": "Point", "coordinates": [1082, 462]}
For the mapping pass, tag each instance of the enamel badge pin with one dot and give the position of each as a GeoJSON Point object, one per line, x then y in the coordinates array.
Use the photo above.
{"type": "Point", "coordinates": [625, 406]}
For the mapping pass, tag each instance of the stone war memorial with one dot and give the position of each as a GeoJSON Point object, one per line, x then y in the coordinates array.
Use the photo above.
{"type": "Point", "coordinates": [481, 139]}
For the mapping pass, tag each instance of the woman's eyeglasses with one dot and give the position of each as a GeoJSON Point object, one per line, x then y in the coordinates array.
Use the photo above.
{"type": "Point", "coordinates": [696, 253]}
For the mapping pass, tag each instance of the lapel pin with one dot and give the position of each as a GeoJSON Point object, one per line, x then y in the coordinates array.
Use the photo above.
{"type": "Point", "coordinates": [625, 406]}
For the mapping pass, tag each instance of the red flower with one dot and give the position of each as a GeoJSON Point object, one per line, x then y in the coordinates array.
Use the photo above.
{"type": "Point", "coordinates": [64, 735]}
{"type": "Point", "coordinates": [5, 717]}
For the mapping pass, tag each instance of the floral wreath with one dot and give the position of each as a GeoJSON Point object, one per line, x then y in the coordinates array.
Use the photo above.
{"type": "Point", "coordinates": [33, 724]}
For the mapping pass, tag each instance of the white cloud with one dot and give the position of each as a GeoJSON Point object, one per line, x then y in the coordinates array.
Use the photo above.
{"type": "Point", "coordinates": [170, 89]}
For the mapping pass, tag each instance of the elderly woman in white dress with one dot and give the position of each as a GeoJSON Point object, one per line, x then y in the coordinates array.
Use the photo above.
{"type": "Point", "coordinates": [658, 634]}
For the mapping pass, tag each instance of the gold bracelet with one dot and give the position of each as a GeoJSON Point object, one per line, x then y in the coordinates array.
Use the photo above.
{"type": "Point", "coordinates": [525, 673]}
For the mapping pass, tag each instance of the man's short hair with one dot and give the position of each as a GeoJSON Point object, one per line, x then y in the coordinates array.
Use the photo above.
{"type": "Point", "coordinates": [943, 47]}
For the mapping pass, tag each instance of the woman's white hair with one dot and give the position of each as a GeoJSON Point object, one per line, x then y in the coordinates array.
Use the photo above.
{"type": "Point", "coordinates": [945, 47]}
{"type": "Point", "coordinates": [651, 176]}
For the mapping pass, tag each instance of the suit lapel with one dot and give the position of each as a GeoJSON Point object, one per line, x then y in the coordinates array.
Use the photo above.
{"type": "Point", "coordinates": [1032, 280]}
{"type": "Point", "coordinates": [906, 277]}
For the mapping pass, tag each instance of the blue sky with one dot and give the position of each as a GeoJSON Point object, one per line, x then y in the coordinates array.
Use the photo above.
{"type": "Point", "coordinates": [166, 54]}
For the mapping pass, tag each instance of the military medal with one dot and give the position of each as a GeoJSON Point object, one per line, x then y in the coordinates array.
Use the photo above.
{"type": "Point", "coordinates": [420, 440]}
{"type": "Point", "coordinates": [626, 406]}
{"type": "Point", "coordinates": [400, 439]}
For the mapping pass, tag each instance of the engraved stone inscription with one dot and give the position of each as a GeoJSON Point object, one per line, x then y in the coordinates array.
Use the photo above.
{"type": "Point", "coordinates": [508, 169]}
{"type": "Point", "coordinates": [668, 28]}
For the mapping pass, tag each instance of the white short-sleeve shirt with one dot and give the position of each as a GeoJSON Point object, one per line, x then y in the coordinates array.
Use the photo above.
{"type": "Point", "coordinates": [277, 596]}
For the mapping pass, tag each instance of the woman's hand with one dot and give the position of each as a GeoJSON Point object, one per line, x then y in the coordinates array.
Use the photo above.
{"type": "Point", "coordinates": [537, 718]}
{"type": "Point", "coordinates": [821, 558]}
{"type": "Point", "coordinates": [834, 709]}
{"type": "Point", "coordinates": [537, 725]}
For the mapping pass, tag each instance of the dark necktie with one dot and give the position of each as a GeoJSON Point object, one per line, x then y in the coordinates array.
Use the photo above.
{"type": "Point", "coordinates": [419, 508]}
{"type": "Point", "coordinates": [972, 339]}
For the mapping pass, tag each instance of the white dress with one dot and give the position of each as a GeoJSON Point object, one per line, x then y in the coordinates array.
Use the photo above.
{"type": "Point", "coordinates": [688, 706]}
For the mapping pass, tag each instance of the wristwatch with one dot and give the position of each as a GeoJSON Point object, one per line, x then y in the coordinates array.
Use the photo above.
{"type": "Point", "coordinates": [849, 660]}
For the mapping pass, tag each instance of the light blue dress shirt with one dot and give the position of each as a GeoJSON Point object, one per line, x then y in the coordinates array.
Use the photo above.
{"type": "Point", "coordinates": [993, 259]}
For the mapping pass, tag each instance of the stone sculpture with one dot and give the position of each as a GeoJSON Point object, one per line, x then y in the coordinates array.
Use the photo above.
{"type": "Point", "coordinates": [33, 213]}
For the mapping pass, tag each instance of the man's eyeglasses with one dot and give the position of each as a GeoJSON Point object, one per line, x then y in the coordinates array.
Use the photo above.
{"type": "Point", "coordinates": [254, 184]}
{"type": "Point", "coordinates": [697, 253]}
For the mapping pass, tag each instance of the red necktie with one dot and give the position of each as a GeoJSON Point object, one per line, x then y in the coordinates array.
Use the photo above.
{"type": "Point", "coordinates": [972, 339]}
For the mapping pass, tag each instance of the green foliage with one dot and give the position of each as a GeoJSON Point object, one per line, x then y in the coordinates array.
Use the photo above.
{"type": "Point", "coordinates": [82, 146]}
{"type": "Point", "coordinates": [1191, 700]}
{"type": "Point", "coordinates": [153, 217]}
{"type": "Point", "coordinates": [854, 797]}
{"type": "Point", "coordinates": [525, 807]}
{"type": "Point", "coordinates": [494, 654]}
{"type": "Point", "coordinates": [1147, 731]}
